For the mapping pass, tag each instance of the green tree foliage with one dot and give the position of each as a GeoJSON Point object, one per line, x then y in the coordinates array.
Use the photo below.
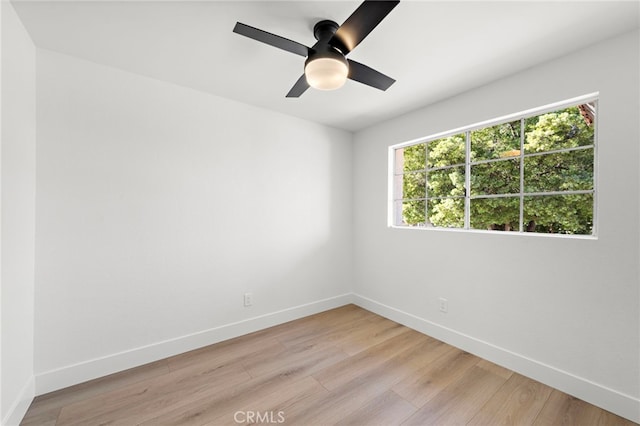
{"type": "Point", "coordinates": [433, 182]}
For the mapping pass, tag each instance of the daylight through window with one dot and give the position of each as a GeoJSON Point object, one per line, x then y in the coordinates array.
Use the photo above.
{"type": "Point", "coordinates": [532, 172]}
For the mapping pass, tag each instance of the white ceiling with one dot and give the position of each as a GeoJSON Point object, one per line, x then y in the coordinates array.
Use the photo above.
{"type": "Point", "coordinates": [433, 49]}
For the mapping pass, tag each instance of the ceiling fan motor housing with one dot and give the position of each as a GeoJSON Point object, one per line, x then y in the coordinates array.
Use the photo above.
{"type": "Point", "coordinates": [324, 30]}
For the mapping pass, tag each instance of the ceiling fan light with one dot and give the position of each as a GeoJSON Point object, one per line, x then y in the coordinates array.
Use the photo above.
{"type": "Point", "coordinates": [326, 73]}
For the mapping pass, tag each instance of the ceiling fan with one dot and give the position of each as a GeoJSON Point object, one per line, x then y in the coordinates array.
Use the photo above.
{"type": "Point", "coordinates": [326, 67]}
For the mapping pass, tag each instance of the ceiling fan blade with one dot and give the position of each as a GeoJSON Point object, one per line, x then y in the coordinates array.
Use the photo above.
{"type": "Point", "coordinates": [365, 75]}
{"type": "Point", "coordinates": [361, 22]}
{"type": "Point", "coordinates": [271, 39]}
{"type": "Point", "coordinates": [299, 88]}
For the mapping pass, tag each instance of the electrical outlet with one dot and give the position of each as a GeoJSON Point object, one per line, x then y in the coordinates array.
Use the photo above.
{"type": "Point", "coordinates": [444, 305]}
{"type": "Point", "coordinates": [248, 299]}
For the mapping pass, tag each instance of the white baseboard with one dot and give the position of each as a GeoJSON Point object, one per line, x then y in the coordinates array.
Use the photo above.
{"type": "Point", "coordinates": [623, 405]}
{"type": "Point", "coordinates": [20, 405]}
{"type": "Point", "coordinates": [73, 374]}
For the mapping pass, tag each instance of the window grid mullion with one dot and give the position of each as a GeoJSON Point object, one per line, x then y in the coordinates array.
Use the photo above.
{"type": "Point", "coordinates": [533, 154]}
{"type": "Point", "coordinates": [594, 209]}
{"type": "Point", "coordinates": [430, 169]}
{"type": "Point", "coordinates": [493, 160]}
{"type": "Point", "coordinates": [451, 166]}
{"type": "Point", "coordinates": [534, 194]}
{"type": "Point", "coordinates": [426, 184]}
{"type": "Point", "coordinates": [559, 151]}
{"type": "Point", "coordinates": [521, 175]}
{"type": "Point", "coordinates": [467, 181]}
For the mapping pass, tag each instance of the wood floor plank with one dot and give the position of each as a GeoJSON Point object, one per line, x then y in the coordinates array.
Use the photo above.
{"type": "Point", "coordinates": [225, 402]}
{"type": "Point", "coordinates": [495, 369]}
{"type": "Point", "coordinates": [460, 401]}
{"type": "Point", "coordinates": [46, 408]}
{"type": "Point", "coordinates": [224, 352]}
{"type": "Point", "coordinates": [387, 409]}
{"type": "Point", "coordinates": [329, 332]}
{"type": "Point", "coordinates": [354, 392]}
{"type": "Point", "coordinates": [275, 405]}
{"type": "Point", "coordinates": [346, 370]}
{"type": "Point", "coordinates": [562, 409]}
{"type": "Point", "coordinates": [308, 358]}
{"type": "Point", "coordinates": [428, 351]}
{"type": "Point", "coordinates": [46, 418]}
{"type": "Point", "coordinates": [433, 378]}
{"type": "Point", "coordinates": [135, 403]}
{"type": "Point", "coordinates": [517, 402]}
{"type": "Point", "coordinates": [200, 411]}
{"type": "Point", "coordinates": [338, 404]}
{"type": "Point", "coordinates": [369, 335]}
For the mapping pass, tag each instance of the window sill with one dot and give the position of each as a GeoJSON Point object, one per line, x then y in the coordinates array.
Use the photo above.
{"type": "Point", "coordinates": [488, 232]}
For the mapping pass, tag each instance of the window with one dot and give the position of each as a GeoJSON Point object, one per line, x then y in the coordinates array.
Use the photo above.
{"type": "Point", "coordinates": [529, 172]}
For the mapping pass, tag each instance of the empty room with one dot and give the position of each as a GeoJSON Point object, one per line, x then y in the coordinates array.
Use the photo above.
{"type": "Point", "coordinates": [320, 212]}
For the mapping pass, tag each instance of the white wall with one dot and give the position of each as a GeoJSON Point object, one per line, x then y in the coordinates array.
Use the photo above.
{"type": "Point", "coordinates": [159, 206]}
{"type": "Point", "coordinates": [564, 311]}
{"type": "Point", "coordinates": [17, 216]}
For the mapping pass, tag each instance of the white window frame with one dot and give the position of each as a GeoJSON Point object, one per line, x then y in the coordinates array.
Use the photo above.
{"type": "Point", "coordinates": [393, 190]}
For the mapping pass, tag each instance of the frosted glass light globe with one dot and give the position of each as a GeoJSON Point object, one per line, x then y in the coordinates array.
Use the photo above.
{"type": "Point", "coordinates": [326, 73]}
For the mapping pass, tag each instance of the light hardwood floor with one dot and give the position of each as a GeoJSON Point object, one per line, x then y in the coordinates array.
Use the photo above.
{"type": "Point", "coordinates": [346, 366]}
